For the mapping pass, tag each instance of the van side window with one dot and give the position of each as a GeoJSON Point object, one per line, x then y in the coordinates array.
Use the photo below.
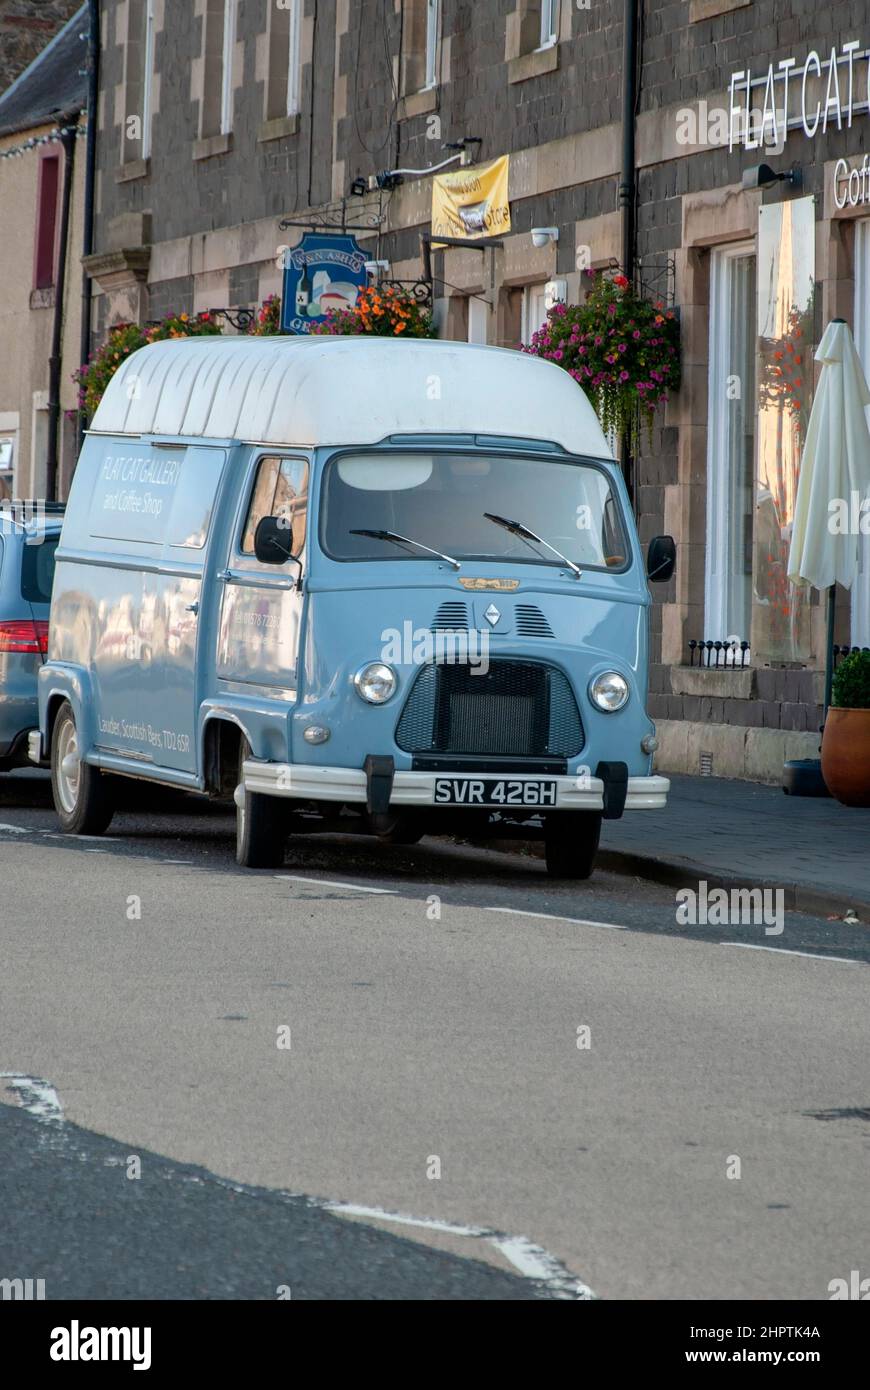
{"type": "Point", "coordinates": [281, 489]}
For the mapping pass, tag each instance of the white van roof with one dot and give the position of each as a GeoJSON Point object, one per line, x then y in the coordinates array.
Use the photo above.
{"type": "Point", "coordinates": [312, 391]}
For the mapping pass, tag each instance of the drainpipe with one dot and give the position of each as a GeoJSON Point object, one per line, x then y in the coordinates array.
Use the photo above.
{"type": "Point", "coordinates": [90, 179]}
{"type": "Point", "coordinates": [68, 141]}
{"type": "Point", "coordinates": [627, 185]}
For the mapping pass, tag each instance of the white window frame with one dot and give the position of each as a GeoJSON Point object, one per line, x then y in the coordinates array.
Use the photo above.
{"type": "Point", "coordinates": [534, 301]}
{"type": "Point", "coordinates": [478, 320]}
{"type": "Point", "coordinates": [549, 23]}
{"type": "Point", "coordinates": [718, 430]}
{"type": "Point", "coordinates": [147, 79]}
{"type": "Point", "coordinates": [294, 59]}
{"type": "Point", "coordinates": [433, 42]}
{"type": "Point", "coordinates": [227, 94]}
{"type": "Point", "coordinates": [860, 591]}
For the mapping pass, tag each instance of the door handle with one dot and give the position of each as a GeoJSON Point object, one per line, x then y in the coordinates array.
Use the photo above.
{"type": "Point", "coordinates": [192, 608]}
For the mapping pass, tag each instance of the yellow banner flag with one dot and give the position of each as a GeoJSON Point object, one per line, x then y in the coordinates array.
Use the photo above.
{"type": "Point", "coordinates": [472, 203]}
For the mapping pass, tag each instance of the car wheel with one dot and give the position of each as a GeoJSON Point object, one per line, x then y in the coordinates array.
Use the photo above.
{"type": "Point", "coordinates": [83, 797]}
{"type": "Point", "coordinates": [261, 833]}
{"type": "Point", "coordinates": [571, 843]}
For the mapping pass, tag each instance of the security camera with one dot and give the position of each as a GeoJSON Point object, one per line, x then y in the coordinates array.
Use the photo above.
{"type": "Point", "coordinates": [542, 236]}
{"type": "Point", "coordinates": [762, 176]}
{"type": "Point", "coordinates": [374, 267]}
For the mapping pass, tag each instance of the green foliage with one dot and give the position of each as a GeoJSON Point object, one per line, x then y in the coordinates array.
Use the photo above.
{"type": "Point", "coordinates": [851, 683]}
{"type": "Point", "coordinates": [623, 349]}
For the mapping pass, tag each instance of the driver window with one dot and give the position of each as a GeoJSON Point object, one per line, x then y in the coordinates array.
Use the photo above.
{"type": "Point", "coordinates": [281, 489]}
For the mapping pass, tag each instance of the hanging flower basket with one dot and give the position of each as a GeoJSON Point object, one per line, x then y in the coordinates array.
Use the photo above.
{"type": "Point", "coordinates": [622, 348]}
{"type": "Point", "coordinates": [124, 339]}
{"type": "Point", "coordinates": [388, 312]}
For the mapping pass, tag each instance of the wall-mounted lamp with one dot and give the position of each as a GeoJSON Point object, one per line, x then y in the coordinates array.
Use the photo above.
{"type": "Point", "coordinates": [762, 176]}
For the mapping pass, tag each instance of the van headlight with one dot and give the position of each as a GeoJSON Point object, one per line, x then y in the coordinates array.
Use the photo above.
{"type": "Point", "coordinates": [609, 691]}
{"type": "Point", "coordinates": [375, 682]}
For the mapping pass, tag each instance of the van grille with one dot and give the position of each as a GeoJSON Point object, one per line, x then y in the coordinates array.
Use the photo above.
{"type": "Point", "coordinates": [531, 621]}
{"type": "Point", "coordinates": [520, 709]}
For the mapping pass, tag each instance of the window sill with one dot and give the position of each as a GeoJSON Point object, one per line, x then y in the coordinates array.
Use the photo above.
{"type": "Point", "coordinates": [212, 145]}
{"type": "Point", "coordinates": [709, 9]}
{"type": "Point", "coordinates": [536, 64]}
{"type": "Point", "coordinates": [134, 169]}
{"type": "Point", "coordinates": [43, 298]}
{"type": "Point", "coordinates": [278, 128]}
{"type": "Point", "coordinates": [734, 683]}
{"type": "Point", "coordinates": [418, 103]}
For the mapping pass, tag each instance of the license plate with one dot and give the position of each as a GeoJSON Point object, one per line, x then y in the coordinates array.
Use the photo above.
{"type": "Point", "coordinates": [494, 791]}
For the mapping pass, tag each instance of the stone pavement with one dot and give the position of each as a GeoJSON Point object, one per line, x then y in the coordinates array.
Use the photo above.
{"type": "Point", "coordinates": [749, 834]}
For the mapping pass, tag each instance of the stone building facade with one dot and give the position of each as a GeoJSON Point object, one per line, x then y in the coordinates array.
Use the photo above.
{"type": "Point", "coordinates": [221, 118]}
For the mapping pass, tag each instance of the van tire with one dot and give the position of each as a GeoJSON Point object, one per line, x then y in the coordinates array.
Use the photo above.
{"type": "Point", "coordinates": [571, 843]}
{"type": "Point", "coordinates": [261, 828]}
{"type": "Point", "coordinates": [83, 800]}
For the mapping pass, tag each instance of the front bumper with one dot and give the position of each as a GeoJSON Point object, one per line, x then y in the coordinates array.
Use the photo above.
{"type": "Point", "coordinates": [306, 782]}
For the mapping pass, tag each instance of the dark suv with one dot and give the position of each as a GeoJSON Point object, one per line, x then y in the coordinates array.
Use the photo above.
{"type": "Point", "coordinates": [27, 548]}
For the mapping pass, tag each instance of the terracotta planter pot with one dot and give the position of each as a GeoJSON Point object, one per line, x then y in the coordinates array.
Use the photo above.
{"type": "Point", "coordinates": [846, 755]}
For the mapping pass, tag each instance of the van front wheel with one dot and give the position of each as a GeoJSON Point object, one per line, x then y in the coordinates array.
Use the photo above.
{"type": "Point", "coordinates": [82, 795]}
{"type": "Point", "coordinates": [571, 843]}
{"type": "Point", "coordinates": [260, 824]}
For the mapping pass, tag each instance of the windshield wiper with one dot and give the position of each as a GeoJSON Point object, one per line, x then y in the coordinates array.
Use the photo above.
{"type": "Point", "coordinates": [406, 540]}
{"type": "Point", "coordinates": [517, 528]}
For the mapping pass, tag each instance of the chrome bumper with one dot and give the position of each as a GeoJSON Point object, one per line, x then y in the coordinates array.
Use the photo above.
{"type": "Point", "coordinates": [305, 782]}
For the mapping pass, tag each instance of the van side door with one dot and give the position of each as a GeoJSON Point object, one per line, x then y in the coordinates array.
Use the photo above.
{"type": "Point", "coordinates": [261, 608]}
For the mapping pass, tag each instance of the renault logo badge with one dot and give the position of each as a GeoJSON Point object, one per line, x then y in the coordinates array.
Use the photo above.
{"type": "Point", "coordinates": [492, 615]}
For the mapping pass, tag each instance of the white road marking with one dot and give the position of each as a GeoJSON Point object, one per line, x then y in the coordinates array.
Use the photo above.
{"type": "Point", "coordinates": [530, 1260]}
{"type": "Point", "coordinates": [15, 829]}
{"type": "Point", "coordinates": [782, 951]}
{"type": "Point", "coordinates": [554, 917]}
{"type": "Point", "coordinates": [330, 883]}
{"type": "Point", "coordinates": [175, 861]}
{"type": "Point", "coordinates": [37, 1097]}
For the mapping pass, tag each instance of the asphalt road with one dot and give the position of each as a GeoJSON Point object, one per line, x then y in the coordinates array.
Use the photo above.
{"type": "Point", "coordinates": [433, 1070]}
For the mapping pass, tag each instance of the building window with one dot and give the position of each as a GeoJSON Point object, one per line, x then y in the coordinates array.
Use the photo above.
{"type": "Point", "coordinates": [229, 43]}
{"type": "Point", "coordinates": [46, 222]}
{"type": "Point", "coordinates": [549, 23]}
{"type": "Point", "coordinates": [148, 79]}
{"type": "Point", "coordinates": [7, 467]}
{"type": "Point", "coordinates": [730, 444]}
{"type": "Point", "coordinates": [860, 592]}
{"type": "Point", "coordinates": [138, 81]}
{"type": "Point", "coordinates": [294, 58]}
{"type": "Point", "coordinates": [421, 45]}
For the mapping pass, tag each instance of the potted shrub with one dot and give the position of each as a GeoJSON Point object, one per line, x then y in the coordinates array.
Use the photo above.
{"type": "Point", "coordinates": [846, 739]}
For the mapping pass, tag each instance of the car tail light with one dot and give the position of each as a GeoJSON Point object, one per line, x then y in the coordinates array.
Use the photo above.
{"type": "Point", "coordinates": [24, 636]}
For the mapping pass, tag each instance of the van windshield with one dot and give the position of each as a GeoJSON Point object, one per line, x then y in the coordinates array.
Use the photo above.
{"type": "Point", "coordinates": [440, 499]}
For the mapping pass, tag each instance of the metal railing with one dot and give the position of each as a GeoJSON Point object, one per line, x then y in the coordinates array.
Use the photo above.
{"type": "Point", "coordinates": [728, 655]}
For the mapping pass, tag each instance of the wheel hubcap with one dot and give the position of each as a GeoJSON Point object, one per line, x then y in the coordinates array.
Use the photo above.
{"type": "Point", "coordinates": [68, 768]}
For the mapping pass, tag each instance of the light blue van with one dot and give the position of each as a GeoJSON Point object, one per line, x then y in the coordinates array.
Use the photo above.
{"type": "Point", "coordinates": [353, 584]}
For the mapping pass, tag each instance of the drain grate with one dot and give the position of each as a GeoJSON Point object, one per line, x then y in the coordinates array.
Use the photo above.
{"type": "Point", "coordinates": [705, 764]}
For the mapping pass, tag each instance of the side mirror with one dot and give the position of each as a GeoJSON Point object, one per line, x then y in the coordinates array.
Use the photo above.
{"type": "Point", "coordinates": [661, 559]}
{"type": "Point", "coordinates": [273, 541]}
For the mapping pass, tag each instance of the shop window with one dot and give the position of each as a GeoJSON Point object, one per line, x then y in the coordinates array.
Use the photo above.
{"type": "Point", "coordinates": [421, 45]}
{"type": "Point", "coordinates": [46, 222]}
{"type": "Point", "coordinates": [478, 320]}
{"type": "Point", "coordinates": [730, 444]}
{"type": "Point", "coordinates": [781, 613]}
{"type": "Point", "coordinates": [860, 593]}
{"type": "Point", "coordinates": [7, 467]}
{"type": "Point", "coordinates": [534, 310]}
